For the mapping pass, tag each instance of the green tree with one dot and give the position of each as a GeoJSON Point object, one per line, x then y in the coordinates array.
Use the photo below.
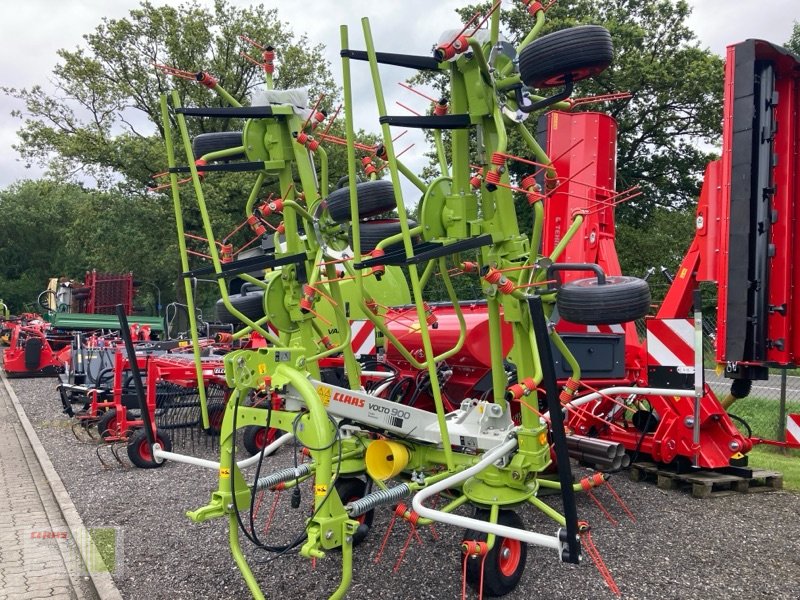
{"type": "Point", "coordinates": [33, 246]}
{"type": "Point", "coordinates": [794, 41]}
{"type": "Point", "coordinates": [82, 230]}
{"type": "Point", "coordinates": [103, 123]}
{"type": "Point", "coordinates": [100, 122]}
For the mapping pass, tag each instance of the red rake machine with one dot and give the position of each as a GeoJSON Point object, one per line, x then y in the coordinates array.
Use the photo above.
{"type": "Point", "coordinates": [108, 401]}
{"type": "Point", "coordinates": [34, 349]}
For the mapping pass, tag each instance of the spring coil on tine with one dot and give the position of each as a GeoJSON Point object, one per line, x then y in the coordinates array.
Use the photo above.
{"type": "Point", "coordinates": [281, 476]}
{"type": "Point", "coordinates": [370, 501]}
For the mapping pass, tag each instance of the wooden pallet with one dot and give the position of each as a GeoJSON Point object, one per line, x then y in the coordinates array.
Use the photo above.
{"type": "Point", "coordinates": [705, 483]}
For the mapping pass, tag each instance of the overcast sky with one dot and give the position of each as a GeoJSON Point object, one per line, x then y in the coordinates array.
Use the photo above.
{"type": "Point", "coordinates": [35, 29]}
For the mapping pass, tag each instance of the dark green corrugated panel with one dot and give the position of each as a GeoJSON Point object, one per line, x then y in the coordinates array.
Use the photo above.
{"type": "Point", "coordinates": [87, 321]}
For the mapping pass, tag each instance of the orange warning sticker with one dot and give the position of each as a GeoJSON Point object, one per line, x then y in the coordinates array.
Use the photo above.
{"type": "Point", "coordinates": [324, 395]}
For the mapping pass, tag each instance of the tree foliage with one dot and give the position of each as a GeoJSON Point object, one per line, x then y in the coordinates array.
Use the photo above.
{"type": "Point", "coordinates": [794, 41]}
{"type": "Point", "coordinates": [57, 229]}
{"type": "Point", "coordinates": [99, 121]}
{"type": "Point", "coordinates": [103, 120]}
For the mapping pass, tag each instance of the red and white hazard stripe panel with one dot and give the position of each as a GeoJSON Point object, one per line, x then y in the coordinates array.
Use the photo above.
{"type": "Point", "coordinates": [362, 339]}
{"type": "Point", "coordinates": [793, 430]}
{"type": "Point", "coordinates": [670, 342]}
{"type": "Point", "coordinates": [616, 328]}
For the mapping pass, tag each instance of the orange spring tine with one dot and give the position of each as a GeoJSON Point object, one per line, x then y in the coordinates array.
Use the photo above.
{"type": "Point", "coordinates": [174, 72]}
{"type": "Point", "coordinates": [323, 294]}
{"type": "Point", "coordinates": [257, 237]}
{"type": "Point", "coordinates": [234, 232]}
{"type": "Point", "coordinates": [313, 111]}
{"type": "Point", "coordinates": [620, 501]}
{"type": "Point", "coordinates": [319, 316]}
{"type": "Point", "coordinates": [574, 175]}
{"type": "Point", "coordinates": [250, 41]}
{"type": "Point", "coordinates": [398, 155]}
{"type": "Point", "coordinates": [600, 98]}
{"type": "Point", "coordinates": [523, 160]}
{"type": "Point", "coordinates": [486, 18]}
{"type": "Point", "coordinates": [602, 508]}
{"type": "Point", "coordinates": [417, 92]}
{"type": "Point", "coordinates": [382, 547]}
{"type": "Point", "coordinates": [546, 282]}
{"type": "Point", "coordinates": [332, 119]}
{"type": "Point", "coordinates": [408, 108]}
{"type": "Point", "coordinates": [250, 59]}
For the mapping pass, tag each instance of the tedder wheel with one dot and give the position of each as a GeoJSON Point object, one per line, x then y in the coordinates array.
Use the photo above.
{"type": "Point", "coordinates": [505, 563]}
{"type": "Point", "coordinates": [249, 302]}
{"type": "Point", "coordinates": [350, 489]}
{"type": "Point", "coordinates": [374, 198]}
{"type": "Point", "coordinates": [373, 232]}
{"type": "Point", "coordinates": [256, 438]}
{"type": "Point", "coordinates": [576, 53]}
{"type": "Point", "coordinates": [216, 414]}
{"type": "Point", "coordinates": [619, 300]}
{"type": "Point", "coordinates": [108, 424]}
{"type": "Point", "coordinates": [212, 142]}
{"type": "Point", "coordinates": [139, 449]}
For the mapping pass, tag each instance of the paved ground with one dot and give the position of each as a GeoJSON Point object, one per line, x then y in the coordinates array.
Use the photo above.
{"type": "Point", "coordinates": [37, 556]}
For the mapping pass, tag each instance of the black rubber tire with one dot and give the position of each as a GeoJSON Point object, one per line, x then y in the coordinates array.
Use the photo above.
{"type": "Point", "coordinates": [139, 449]}
{"type": "Point", "coordinates": [619, 300]}
{"type": "Point", "coordinates": [250, 302]}
{"type": "Point", "coordinates": [741, 388]}
{"type": "Point", "coordinates": [256, 437]}
{"type": "Point", "coordinates": [107, 425]}
{"type": "Point", "coordinates": [373, 232]}
{"type": "Point", "coordinates": [212, 142]}
{"type": "Point", "coordinates": [505, 562]}
{"type": "Point", "coordinates": [374, 198]}
{"type": "Point", "coordinates": [578, 52]}
{"type": "Point", "coordinates": [350, 489]}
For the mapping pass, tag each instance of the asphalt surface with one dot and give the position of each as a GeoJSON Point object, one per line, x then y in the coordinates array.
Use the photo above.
{"type": "Point", "coordinates": [739, 546]}
{"type": "Point", "coordinates": [770, 388]}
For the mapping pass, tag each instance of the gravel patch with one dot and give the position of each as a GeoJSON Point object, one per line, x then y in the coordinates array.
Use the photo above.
{"type": "Point", "coordinates": [740, 546]}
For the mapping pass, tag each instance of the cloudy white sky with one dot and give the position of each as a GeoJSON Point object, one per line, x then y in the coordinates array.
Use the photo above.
{"type": "Point", "coordinates": [35, 29]}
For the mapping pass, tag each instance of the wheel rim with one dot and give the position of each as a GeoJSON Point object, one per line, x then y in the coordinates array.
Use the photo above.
{"type": "Point", "coordinates": [112, 427]}
{"type": "Point", "coordinates": [261, 438]}
{"type": "Point", "coordinates": [510, 553]}
{"type": "Point", "coordinates": [144, 450]}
